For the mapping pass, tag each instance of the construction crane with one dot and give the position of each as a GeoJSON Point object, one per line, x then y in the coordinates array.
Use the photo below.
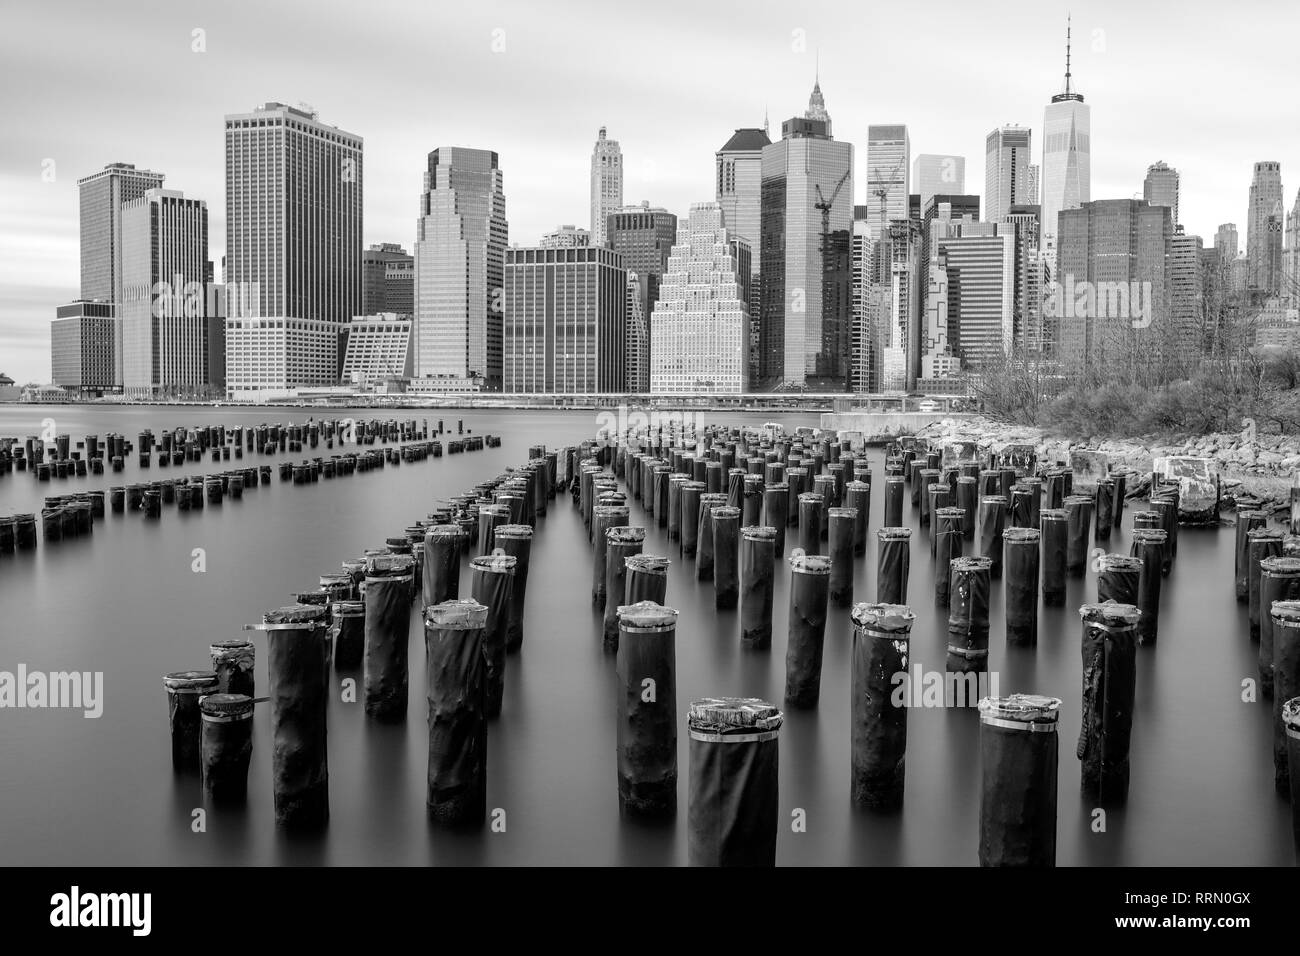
{"type": "Point", "coordinates": [825, 204]}
{"type": "Point", "coordinates": [881, 192]}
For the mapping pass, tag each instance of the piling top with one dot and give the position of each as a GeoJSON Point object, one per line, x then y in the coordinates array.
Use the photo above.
{"type": "Point", "coordinates": [1110, 614]}
{"type": "Point", "coordinates": [445, 531]}
{"type": "Point", "coordinates": [755, 532]}
{"type": "Point", "coordinates": [797, 471]}
{"type": "Point", "coordinates": [463, 615]}
{"type": "Point", "coordinates": [306, 615]}
{"type": "Point", "coordinates": [1286, 613]}
{"type": "Point", "coordinates": [890, 619]}
{"type": "Point", "coordinates": [646, 616]}
{"type": "Point", "coordinates": [693, 486]}
{"type": "Point", "coordinates": [1120, 562]}
{"type": "Point", "coordinates": [625, 535]}
{"type": "Point", "coordinates": [1264, 534]}
{"type": "Point", "coordinates": [778, 486]}
{"type": "Point", "coordinates": [335, 581]}
{"type": "Point", "coordinates": [713, 498]}
{"type": "Point", "coordinates": [998, 500]}
{"type": "Point", "coordinates": [856, 485]}
{"type": "Point", "coordinates": [850, 513]}
{"type": "Point", "coordinates": [501, 563]}
{"type": "Point", "coordinates": [1030, 480]}
{"type": "Point", "coordinates": [725, 512]}
{"type": "Point", "coordinates": [809, 563]}
{"type": "Point", "coordinates": [605, 511]}
{"type": "Point", "coordinates": [733, 715]}
{"type": "Point", "coordinates": [1291, 717]}
{"type": "Point", "coordinates": [812, 497]}
{"type": "Point", "coordinates": [1077, 500]}
{"type": "Point", "coordinates": [1052, 514]}
{"type": "Point", "coordinates": [226, 705]}
{"type": "Point", "coordinates": [1286, 566]}
{"type": "Point", "coordinates": [520, 531]}
{"type": "Point", "coordinates": [1035, 712]}
{"type": "Point", "coordinates": [1020, 535]}
{"type": "Point", "coordinates": [1150, 535]}
{"type": "Point", "coordinates": [895, 534]}
{"type": "Point", "coordinates": [190, 682]}
{"type": "Point", "coordinates": [971, 565]}
{"type": "Point", "coordinates": [1251, 514]}
{"type": "Point", "coordinates": [348, 608]}
{"type": "Point", "coordinates": [647, 563]}
{"type": "Point", "coordinates": [354, 564]}
{"type": "Point", "coordinates": [232, 650]}
{"type": "Point", "coordinates": [389, 565]}
{"type": "Point", "coordinates": [1290, 543]}
{"type": "Point", "coordinates": [953, 511]}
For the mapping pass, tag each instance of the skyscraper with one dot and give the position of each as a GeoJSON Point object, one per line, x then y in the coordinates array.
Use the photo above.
{"type": "Point", "coordinates": [82, 343]}
{"type": "Point", "coordinates": [933, 173]}
{"type": "Point", "coordinates": [978, 259]}
{"type": "Point", "coordinates": [638, 338]}
{"type": "Point", "coordinates": [1160, 188]}
{"type": "Point", "coordinates": [1291, 255]}
{"type": "Point", "coordinates": [888, 156]}
{"type": "Point", "coordinates": [931, 338]}
{"type": "Point", "coordinates": [1264, 231]}
{"type": "Point", "coordinates": [1066, 172]}
{"type": "Point", "coordinates": [1007, 178]}
{"type": "Point", "coordinates": [460, 251]}
{"type": "Point", "coordinates": [102, 196]}
{"type": "Point", "coordinates": [863, 359]}
{"type": "Point", "coordinates": [566, 237]}
{"type": "Point", "coordinates": [700, 328]}
{"type": "Point", "coordinates": [1186, 296]}
{"type": "Point", "coordinates": [565, 322]}
{"type": "Point", "coordinates": [805, 260]}
{"type": "Point", "coordinates": [1110, 282]}
{"type": "Point", "coordinates": [1227, 241]}
{"type": "Point", "coordinates": [168, 339]}
{"type": "Point", "coordinates": [643, 235]}
{"type": "Point", "coordinates": [293, 246]}
{"type": "Point", "coordinates": [739, 188]}
{"type": "Point", "coordinates": [387, 280]}
{"type": "Point", "coordinates": [606, 184]}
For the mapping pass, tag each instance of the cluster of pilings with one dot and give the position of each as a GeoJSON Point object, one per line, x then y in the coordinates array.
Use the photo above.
{"type": "Point", "coordinates": [60, 457]}
{"type": "Point", "coordinates": [726, 499]}
{"type": "Point", "coordinates": [356, 621]}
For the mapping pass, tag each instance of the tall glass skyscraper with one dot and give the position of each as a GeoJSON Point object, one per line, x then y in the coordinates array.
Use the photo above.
{"type": "Point", "coordinates": [888, 155]}
{"type": "Point", "coordinates": [460, 248]}
{"type": "Point", "coordinates": [1160, 188]}
{"type": "Point", "coordinates": [739, 187]}
{"type": "Point", "coordinates": [933, 174]}
{"type": "Point", "coordinates": [1067, 170]}
{"type": "Point", "coordinates": [806, 276]}
{"type": "Point", "coordinates": [293, 248]}
{"type": "Point", "coordinates": [1007, 178]}
{"type": "Point", "coordinates": [606, 184]}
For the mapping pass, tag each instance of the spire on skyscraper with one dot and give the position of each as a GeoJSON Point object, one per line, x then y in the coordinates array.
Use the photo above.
{"type": "Point", "coordinates": [1067, 95]}
{"type": "Point", "coordinates": [816, 104]}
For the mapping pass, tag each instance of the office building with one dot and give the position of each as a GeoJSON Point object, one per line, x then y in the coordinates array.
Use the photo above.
{"type": "Point", "coordinates": [82, 343]}
{"type": "Point", "coordinates": [293, 247]}
{"type": "Point", "coordinates": [1066, 175]}
{"type": "Point", "coordinates": [606, 185]}
{"type": "Point", "coordinates": [460, 250]}
{"type": "Point", "coordinates": [565, 326]}
{"type": "Point", "coordinates": [387, 280]}
{"type": "Point", "coordinates": [1007, 178]}
{"type": "Point", "coordinates": [738, 187]}
{"type": "Point", "coordinates": [379, 349]}
{"type": "Point", "coordinates": [888, 168]}
{"type": "Point", "coordinates": [1186, 296]}
{"type": "Point", "coordinates": [168, 338]}
{"type": "Point", "coordinates": [1160, 188]}
{"type": "Point", "coordinates": [977, 261]}
{"type": "Point", "coordinates": [933, 174]}
{"type": "Point", "coordinates": [1264, 232]}
{"type": "Point", "coordinates": [644, 235]}
{"type": "Point", "coordinates": [638, 338]}
{"type": "Point", "coordinates": [566, 237]}
{"type": "Point", "coordinates": [699, 332]}
{"type": "Point", "coordinates": [805, 274]}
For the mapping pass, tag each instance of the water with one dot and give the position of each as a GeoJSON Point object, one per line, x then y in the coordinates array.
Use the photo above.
{"type": "Point", "coordinates": [125, 602]}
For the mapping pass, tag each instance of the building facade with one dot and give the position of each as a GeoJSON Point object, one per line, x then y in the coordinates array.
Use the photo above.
{"type": "Point", "coordinates": [644, 235]}
{"type": "Point", "coordinates": [379, 349]}
{"type": "Point", "coordinates": [888, 167]}
{"type": "Point", "coordinates": [387, 280]}
{"type": "Point", "coordinates": [606, 184]}
{"type": "Point", "coordinates": [83, 338]}
{"type": "Point", "coordinates": [739, 191]}
{"type": "Point", "coordinates": [1264, 231]}
{"type": "Point", "coordinates": [1160, 188]}
{"type": "Point", "coordinates": [169, 341]}
{"type": "Point", "coordinates": [460, 250]}
{"type": "Point", "coordinates": [566, 237]}
{"type": "Point", "coordinates": [700, 327]}
{"type": "Point", "coordinates": [1066, 175]}
{"type": "Point", "coordinates": [933, 174]}
{"type": "Point", "coordinates": [293, 240]}
{"type": "Point", "coordinates": [1007, 163]}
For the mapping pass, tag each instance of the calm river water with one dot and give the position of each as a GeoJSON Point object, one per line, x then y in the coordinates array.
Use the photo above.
{"type": "Point", "coordinates": [125, 602]}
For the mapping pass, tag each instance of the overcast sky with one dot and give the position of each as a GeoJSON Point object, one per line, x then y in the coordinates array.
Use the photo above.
{"type": "Point", "coordinates": [1208, 87]}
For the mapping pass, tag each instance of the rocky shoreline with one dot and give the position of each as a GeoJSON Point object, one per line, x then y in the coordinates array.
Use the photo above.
{"type": "Point", "coordinates": [1255, 470]}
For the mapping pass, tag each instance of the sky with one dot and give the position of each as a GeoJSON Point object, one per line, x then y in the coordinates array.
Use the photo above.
{"type": "Point", "coordinates": [1206, 87]}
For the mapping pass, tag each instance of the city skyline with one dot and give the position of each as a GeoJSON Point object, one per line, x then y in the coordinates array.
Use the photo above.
{"type": "Point", "coordinates": [81, 123]}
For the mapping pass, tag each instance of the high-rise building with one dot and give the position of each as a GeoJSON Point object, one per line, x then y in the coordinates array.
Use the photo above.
{"type": "Point", "coordinates": [888, 158]}
{"type": "Point", "coordinates": [805, 268]}
{"type": "Point", "coordinates": [102, 196]}
{"type": "Point", "coordinates": [606, 185]}
{"type": "Point", "coordinates": [293, 237]}
{"type": "Point", "coordinates": [1264, 231]}
{"type": "Point", "coordinates": [933, 174]}
{"type": "Point", "coordinates": [644, 235]}
{"type": "Point", "coordinates": [82, 341]}
{"type": "Point", "coordinates": [932, 340]}
{"type": "Point", "coordinates": [638, 338]}
{"type": "Point", "coordinates": [1160, 188]}
{"type": "Point", "coordinates": [379, 348]}
{"type": "Point", "coordinates": [460, 251]}
{"type": "Point", "coordinates": [906, 289]}
{"type": "Point", "coordinates": [1030, 333]}
{"type": "Point", "coordinates": [166, 331]}
{"type": "Point", "coordinates": [1109, 286]}
{"type": "Point", "coordinates": [565, 322]}
{"type": "Point", "coordinates": [1066, 175]}
{"type": "Point", "coordinates": [565, 237]}
{"type": "Point", "coordinates": [864, 350]}
{"type": "Point", "coordinates": [1007, 178]}
{"type": "Point", "coordinates": [387, 280]}
{"type": "Point", "coordinates": [1186, 295]}
{"type": "Point", "coordinates": [978, 262]}
{"type": "Point", "coordinates": [700, 327]}
{"type": "Point", "coordinates": [1227, 242]}
{"type": "Point", "coordinates": [739, 191]}
{"type": "Point", "coordinates": [1291, 255]}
